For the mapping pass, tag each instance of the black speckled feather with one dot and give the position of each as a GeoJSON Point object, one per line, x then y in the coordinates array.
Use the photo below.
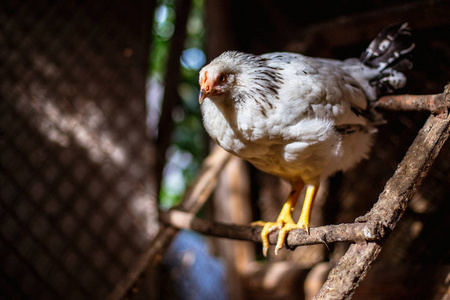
{"type": "Point", "coordinates": [390, 49]}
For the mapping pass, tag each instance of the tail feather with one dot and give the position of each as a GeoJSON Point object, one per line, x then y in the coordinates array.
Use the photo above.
{"type": "Point", "coordinates": [392, 45]}
{"type": "Point", "coordinates": [390, 53]}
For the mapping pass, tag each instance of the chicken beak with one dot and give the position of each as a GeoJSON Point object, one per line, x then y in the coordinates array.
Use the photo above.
{"type": "Point", "coordinates": [205, 91]}
{"type": "Point", "coordinates": [205, 88]}
{"type": "Point", "coordinates": [203, 94]}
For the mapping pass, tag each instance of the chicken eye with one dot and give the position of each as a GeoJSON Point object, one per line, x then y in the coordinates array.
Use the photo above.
{"type": "Point", "coordinates": [222, 78]}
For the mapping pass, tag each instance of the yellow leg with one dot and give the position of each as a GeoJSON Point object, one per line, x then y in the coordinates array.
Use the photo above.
{"type": "Point", "coordinates": [311, 192]}
{"type": "Point", "coordinates": [284, 218]}
{"type": "Point", "coordinates": [303, 222]}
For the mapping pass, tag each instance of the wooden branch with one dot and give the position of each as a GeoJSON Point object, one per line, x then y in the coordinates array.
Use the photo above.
{"type": "Point", "coordinates": [205, 181]}
{"type": "Point", "coordinates": [193, 199]}
{"type": "Point", "coordinates": [436, 104]}
{"type": "Point", "coordinates": [353, 232]}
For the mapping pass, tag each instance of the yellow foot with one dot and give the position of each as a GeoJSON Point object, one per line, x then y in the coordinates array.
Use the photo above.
{"type": "Point", "coordinates": [282, 234]}
{"type": "Point", "coordinates": [268, 227]}
{"type": "Point", "coordinates": [284, 222]}
{"type": "Point", "coordinates": [284, 228]}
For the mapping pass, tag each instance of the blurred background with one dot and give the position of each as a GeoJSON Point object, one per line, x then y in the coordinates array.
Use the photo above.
{"type": "Point", "coordinates": [100, 126]}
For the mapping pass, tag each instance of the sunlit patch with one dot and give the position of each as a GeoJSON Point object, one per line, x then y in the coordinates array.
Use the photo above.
{"type": "Point", "coordinates": [193, 59]}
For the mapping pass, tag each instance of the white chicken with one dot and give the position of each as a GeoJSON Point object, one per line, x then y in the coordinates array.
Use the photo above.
{"type": "Point", "coordinates": [298, 117]}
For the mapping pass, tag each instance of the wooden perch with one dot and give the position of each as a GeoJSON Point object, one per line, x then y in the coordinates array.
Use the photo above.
{"type": "Point", "coordinates": [436, 104]}
{"type": "Point", "coordinates": [355, 232]}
